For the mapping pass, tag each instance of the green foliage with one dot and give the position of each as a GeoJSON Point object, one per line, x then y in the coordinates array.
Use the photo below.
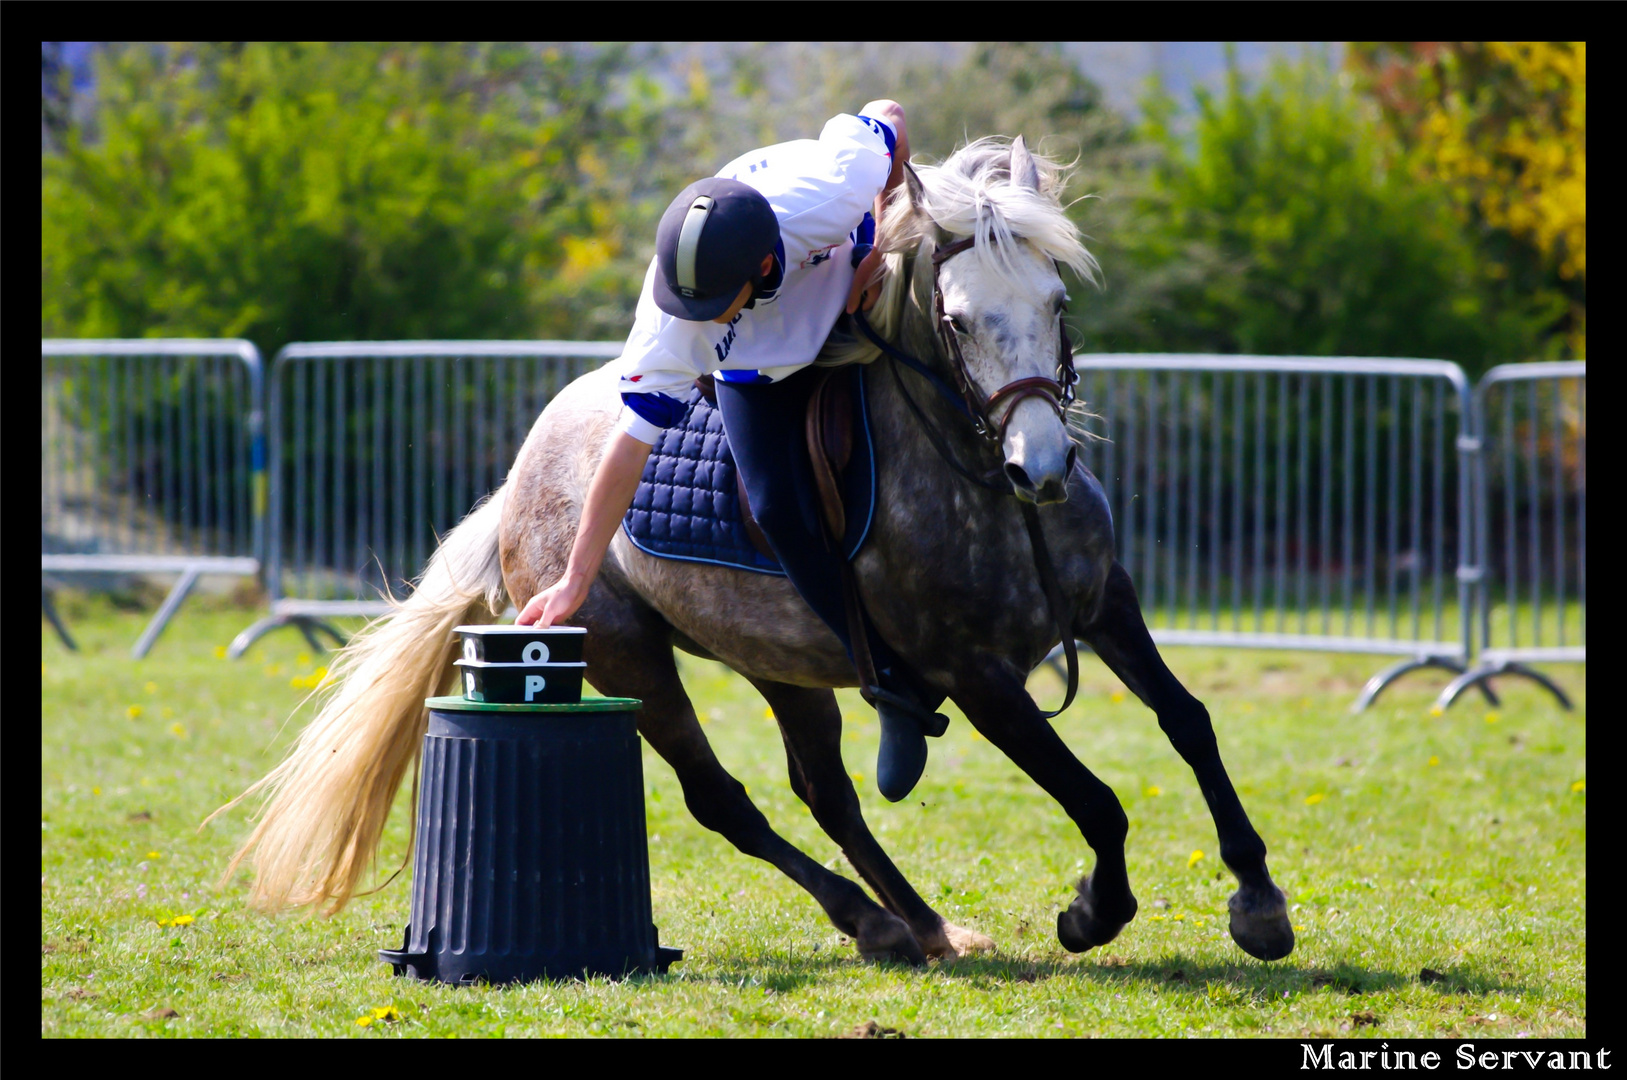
{"type": "Point", "coordinates": [1275, 227]}
{"type": "Point", "coordinates": [287, 192]}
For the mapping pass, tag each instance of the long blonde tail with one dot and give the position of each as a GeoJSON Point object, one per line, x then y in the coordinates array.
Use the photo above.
{"type": "Point", "coordinates": [327, 802]}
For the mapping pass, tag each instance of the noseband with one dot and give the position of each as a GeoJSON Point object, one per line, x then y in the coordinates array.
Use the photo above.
{"type": "Point", "coordinates": [1058, 392]}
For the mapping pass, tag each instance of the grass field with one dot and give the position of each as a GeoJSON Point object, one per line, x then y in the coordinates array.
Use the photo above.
{"type": "Point", "coordinates": [1404, 841]}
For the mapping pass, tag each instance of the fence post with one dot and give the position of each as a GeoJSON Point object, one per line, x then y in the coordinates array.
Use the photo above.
{"type": "Point", "coordinates": [1501, 383]}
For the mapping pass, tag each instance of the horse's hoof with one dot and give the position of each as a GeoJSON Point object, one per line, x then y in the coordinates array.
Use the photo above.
{"type": "Point", "coordinates": [953, 942]}
{"type": "Point", "coordinates": [887, 937]}
{"type": "Point", "coordinates": [1083, 927]}
{"type": "Point", "coordinates": [1260, 924]}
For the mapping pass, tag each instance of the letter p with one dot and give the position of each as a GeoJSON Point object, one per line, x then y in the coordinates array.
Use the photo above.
{"type": "Point", "coordinates": [533, 683]}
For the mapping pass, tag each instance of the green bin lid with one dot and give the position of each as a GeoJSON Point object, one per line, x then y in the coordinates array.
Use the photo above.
{"type": "Point", "coordinates": [456, 703]}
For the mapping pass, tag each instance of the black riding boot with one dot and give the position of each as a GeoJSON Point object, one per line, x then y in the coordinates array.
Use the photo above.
{"type": "Point", "coordinates": [764, 423]}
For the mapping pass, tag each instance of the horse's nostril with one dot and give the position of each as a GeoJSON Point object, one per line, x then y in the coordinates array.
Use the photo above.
{"type": "Point", "coordinates": [1019, 479]}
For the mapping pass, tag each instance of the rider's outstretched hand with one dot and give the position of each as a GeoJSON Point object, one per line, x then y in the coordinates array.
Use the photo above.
{"type": "Point", "coordinates": [559, 601]}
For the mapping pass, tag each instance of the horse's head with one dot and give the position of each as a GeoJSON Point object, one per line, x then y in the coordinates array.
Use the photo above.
{"type": "Point", "coordinates": [997, 303]}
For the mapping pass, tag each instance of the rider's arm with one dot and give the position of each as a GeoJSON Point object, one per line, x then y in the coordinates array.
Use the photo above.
{"type": "Point", "coordinates": [609, 496]}
{"type": "Point", "coordinates": [892, 114]}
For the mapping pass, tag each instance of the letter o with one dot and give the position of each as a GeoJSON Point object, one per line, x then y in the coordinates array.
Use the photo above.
{"type": "Point", "coordinates": [535, 652]}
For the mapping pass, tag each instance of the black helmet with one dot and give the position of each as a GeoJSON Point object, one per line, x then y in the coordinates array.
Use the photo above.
{"type": "Point", "coordinates": [710, 242]}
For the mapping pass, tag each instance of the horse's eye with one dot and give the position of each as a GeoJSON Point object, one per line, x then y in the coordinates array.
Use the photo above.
{"type": "Point", "coordinates": [955, 324]}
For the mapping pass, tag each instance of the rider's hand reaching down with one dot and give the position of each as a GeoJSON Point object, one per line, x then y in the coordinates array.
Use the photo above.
{"type": "Point", "coordinates": [611, 494]}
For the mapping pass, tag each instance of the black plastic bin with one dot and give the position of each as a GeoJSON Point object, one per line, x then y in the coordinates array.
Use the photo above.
{"type": "Point", "coordinates": [531, 859]}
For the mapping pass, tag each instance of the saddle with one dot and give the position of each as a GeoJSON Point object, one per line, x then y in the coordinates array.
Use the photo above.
{"type": "Point", "coordinates": [690, 504]}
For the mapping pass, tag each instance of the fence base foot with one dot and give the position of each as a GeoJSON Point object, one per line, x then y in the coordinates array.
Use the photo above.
{"type": "Point", "coordinates": [1379, 682]}
{"type": "Point", "coordinates": [56, 620]}
{"type": "Point", "coordinates": [1481, 676]}
{"type": "Point", "coordinates": [307, 624]}
{"type": "Point", "coordinates": [172, 603]}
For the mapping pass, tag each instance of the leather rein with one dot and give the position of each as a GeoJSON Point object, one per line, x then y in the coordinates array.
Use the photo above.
{"type": "Point", "coordinates": [980, 411]}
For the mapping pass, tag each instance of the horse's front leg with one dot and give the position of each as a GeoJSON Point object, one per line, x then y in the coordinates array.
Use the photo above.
{"type": "Point", "coordinates": [993, 697]}
{"type": "Point", "coordinates": [1259, 910]}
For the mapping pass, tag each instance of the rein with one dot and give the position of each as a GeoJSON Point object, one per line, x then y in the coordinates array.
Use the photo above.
{"type": "Point", "coordinates": [1059, 391]}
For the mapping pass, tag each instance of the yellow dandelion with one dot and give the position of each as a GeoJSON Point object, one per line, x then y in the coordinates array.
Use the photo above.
{"type": "Point", "coordinates": [134, 711]}
{"type": "Point", "coordinates": [1194, 859]}
{"type": "Point", "coordinates": [1312, 800]}
{"type": "Point", "coordinates": [318, 675]}
{"type": "Point", "coordinates": [386, 1012]}
{"type": "Point", "coordinates": [154, 855]}
{"type": "Point", "coordinates": [858, 777]}
{"type": "Point", "coordinates": [768, 714]}
{"type": "Point", "coordinates": [1436, 710]}
{"type": "Point", "coordinates": [1433, 760]}
{"type": "Point", "coordinates": [1580, 785]}
{"type": "Point", "coordinates": [181, 920]}
{"type": "Point", "coordinates": [165, 922]}
{"type": "Point", "coordinates": [364, 1021]}
{"type": "Point", "coordinates": [1178, 917]}
{"type": "Point", "coordinates": [151, 688]}
{"type": "Point", "coordinates": [178, 730]}
{"type": "Point", "coordinates": [1299, 928]}
{"type": "Point", "coordinates": [1492, 718]}
{"type": "Point", "coordinates": [220, 652]}
{"type": "Point", "coordinates": [1157, 918]}
{"type": "Point", "coordinates": [1153, 791]}
{"type": "Point", "coordinates": [1358, 847]}
{"type": "Point", "coordinates": [98, 791]}
{"type": "Point", "coordinates": [1116, 697]}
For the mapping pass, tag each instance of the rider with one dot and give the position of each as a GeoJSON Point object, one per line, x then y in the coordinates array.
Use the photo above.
{"type": "Point", "coordinates": [753, 267]}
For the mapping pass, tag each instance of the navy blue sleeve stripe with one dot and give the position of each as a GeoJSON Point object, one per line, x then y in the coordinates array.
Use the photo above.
{"type": "Point", "coordinates": [864, 238]}
{"type": "Point", "coordinates": [885, 130]}
{"type": "Point", "coordinates": [659, 409]}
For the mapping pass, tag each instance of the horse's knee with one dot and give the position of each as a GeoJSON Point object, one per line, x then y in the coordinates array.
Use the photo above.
{"type": "Point", "coordinates": [1190, 731]}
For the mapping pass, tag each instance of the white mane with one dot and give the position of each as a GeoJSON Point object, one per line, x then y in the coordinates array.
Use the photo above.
{"type": "Point", "coordinates": [971, 194]}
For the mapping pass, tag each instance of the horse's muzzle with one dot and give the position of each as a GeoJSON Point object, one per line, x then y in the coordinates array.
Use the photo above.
{"type": "Point", "coordinates": [1049, 488]}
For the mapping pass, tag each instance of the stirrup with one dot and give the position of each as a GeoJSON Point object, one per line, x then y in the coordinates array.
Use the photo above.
{"type": "Point", "coordinates": [932, 724]}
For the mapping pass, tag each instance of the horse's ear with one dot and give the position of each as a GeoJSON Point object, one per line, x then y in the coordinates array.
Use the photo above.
{"type": "Point", "coordinates": [913, 189]}
{"type": "Point", "coordinates": [1024, 173]}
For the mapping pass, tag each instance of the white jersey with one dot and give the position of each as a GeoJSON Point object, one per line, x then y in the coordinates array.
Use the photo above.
{"type": "Point", "coordinates": [820, 191]}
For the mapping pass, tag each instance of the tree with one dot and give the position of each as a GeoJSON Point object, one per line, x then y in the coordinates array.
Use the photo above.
{"type": "Point", "coordinates": [356, 191]}
{"type": "Point", "coordinates": [1503, 126]}
{"type": "Point", "coordinates": [1275, 226]}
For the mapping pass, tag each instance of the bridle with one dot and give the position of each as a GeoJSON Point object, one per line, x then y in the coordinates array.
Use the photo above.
{"type": "Point", "coordinates": [1058, 392]}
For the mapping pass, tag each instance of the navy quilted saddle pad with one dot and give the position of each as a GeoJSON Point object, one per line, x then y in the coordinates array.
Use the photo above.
{"type": "Point", "coordinates": [687, 506]}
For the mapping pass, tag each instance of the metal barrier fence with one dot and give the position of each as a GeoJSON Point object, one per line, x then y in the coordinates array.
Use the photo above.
{"type": "Point", "coordinates": [1291, 503]}
{"type": "Point", "coordinates": [151, 461]}
{"type": "Point", "coordinates": [379, 448]}
{"type": "Point", "coordinates": [1530, 522]}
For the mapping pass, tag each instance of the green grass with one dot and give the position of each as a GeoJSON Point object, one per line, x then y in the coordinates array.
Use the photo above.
{"type": "Point", "coordinates": [1473, 866]}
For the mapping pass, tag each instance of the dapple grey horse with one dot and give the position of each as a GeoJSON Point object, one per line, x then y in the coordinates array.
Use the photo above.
{"type": "Point", "coordinates": [948, 576]}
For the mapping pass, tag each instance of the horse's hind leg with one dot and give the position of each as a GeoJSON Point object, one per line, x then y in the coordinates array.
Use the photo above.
{"type": "Point", "coordinates": [642, 667]}
{"type": "Point", "coordinates": [811, 725]}
{"type": "Point", "coordinates": [1259, 910]}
